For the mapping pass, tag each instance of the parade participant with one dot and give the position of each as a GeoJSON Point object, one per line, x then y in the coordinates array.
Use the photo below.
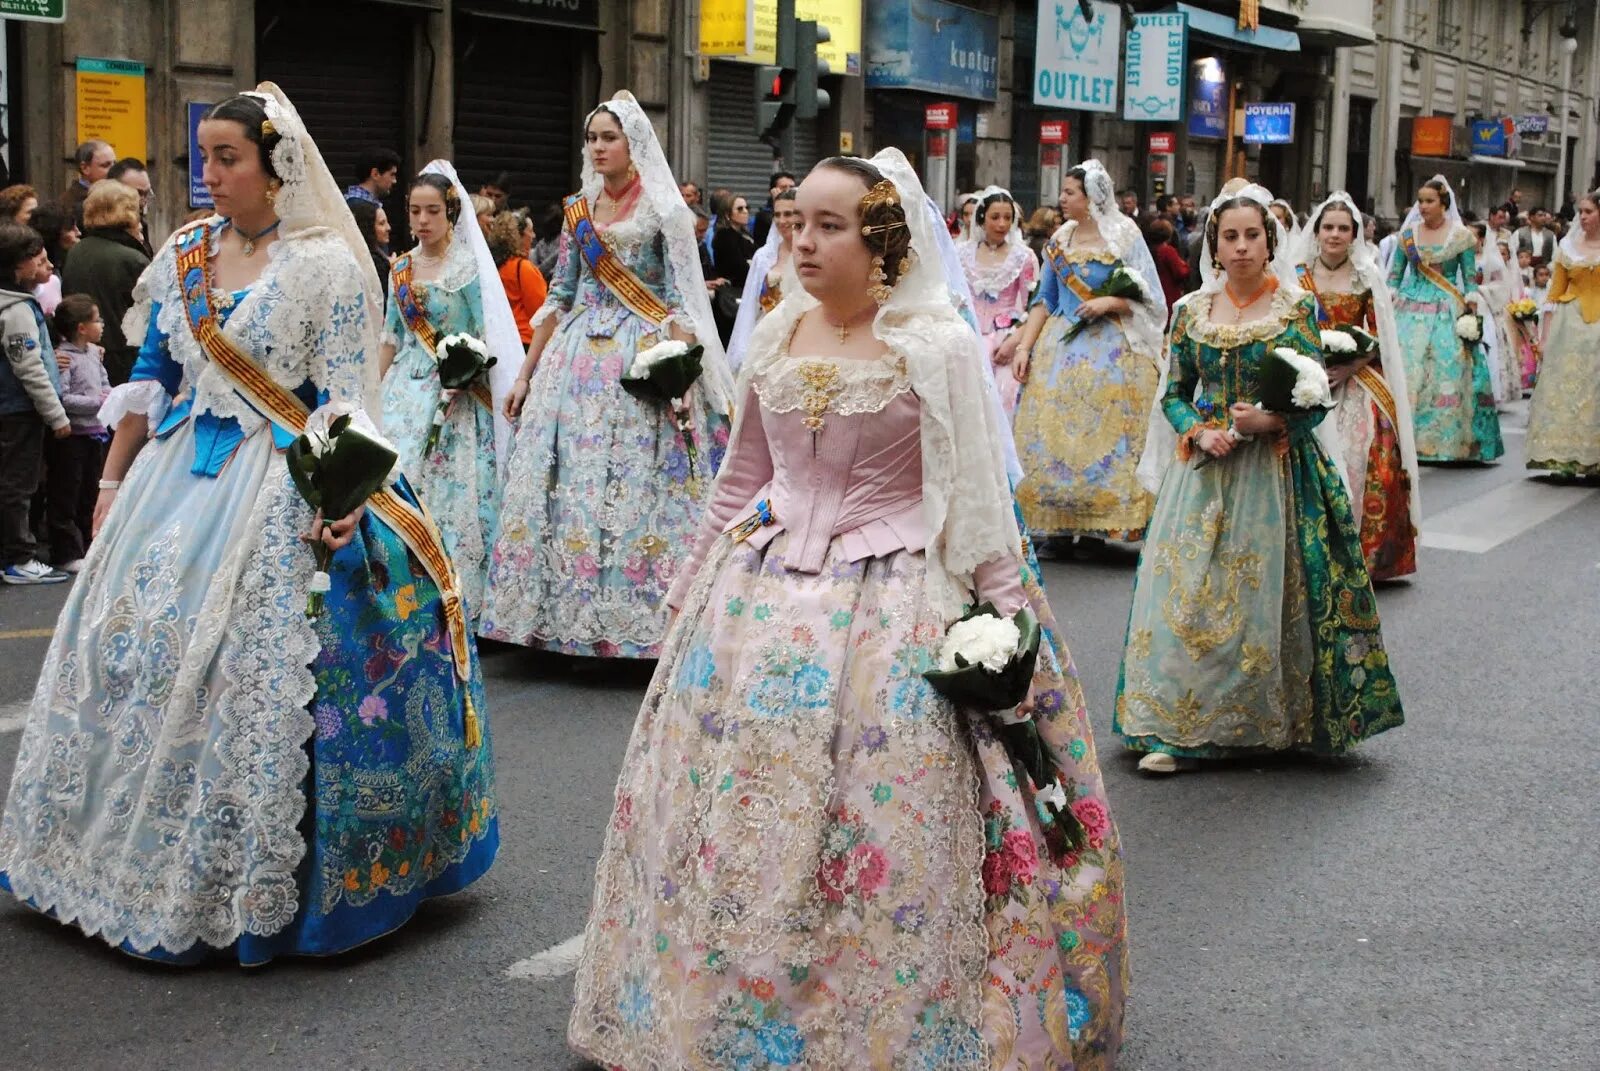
{"type": "Point", "coordinates": [1001, 272]}
{"type": "Point", "coordinates": [1564, 417]}
{"type": "Point", "coordinates": [1336, 264]}
{"type": "Point", "coordinates": [1086, 401]}
{"type": "Point", "coordinates": [1434, 279]}
{"type": "Point", "coordinates": [966, 218]}
{"type": "Point", "coordinates": [1253, 626]}
{"type": "Point", "coordinates": [856, 858]}
{"type": "Point", "coordinates": [447, 286]}
{"type": "Point", "coordinates": [1284, 211]}
{"type": "Point", "coordinates": [603, 491]}
{"type": "Point", "coordinates": [247, 780]}
{"type": "Point", "coordinates": [771, 275]}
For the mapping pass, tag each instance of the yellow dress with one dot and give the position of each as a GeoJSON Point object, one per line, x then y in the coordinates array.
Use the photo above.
{"type": "Point", "coordinates": [1564, 417]}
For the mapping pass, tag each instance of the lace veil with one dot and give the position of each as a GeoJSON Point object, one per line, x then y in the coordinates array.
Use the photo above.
{"type": "Point", "coordinates": [966, 499]}
{"type": "Point", "coordinates": [1370, 274]}
{"type": "Point", "coordinates": [750, 299]}
{"type": "Point", "coordinates": [499, 325]}
{"type": "Point", "coordinates": [677, 228]}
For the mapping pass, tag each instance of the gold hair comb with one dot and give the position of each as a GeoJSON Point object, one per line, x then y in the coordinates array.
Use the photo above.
{"type": "Point", "coordinates": [267, 129]}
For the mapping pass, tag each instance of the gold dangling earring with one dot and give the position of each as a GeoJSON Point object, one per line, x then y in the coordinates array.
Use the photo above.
{"type": "Point", "coordinates": [879, 288]}
{"type": "Point", "coordinates": [272, 192]}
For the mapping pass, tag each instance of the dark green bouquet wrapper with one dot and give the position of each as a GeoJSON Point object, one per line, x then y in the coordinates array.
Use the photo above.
{"type": "Point", "coordinates": [1365, 344]}
{"type": "Point", "coordinates": [459, 367]}
{"type": "Point", "coordinates": [353, 468]}
{"type": "Point", "coordinates": [667, 381]}
{"type": "Point", "coordinates": [1275, 380]}
{"type": "Point", "coordinates": [1120, 283]}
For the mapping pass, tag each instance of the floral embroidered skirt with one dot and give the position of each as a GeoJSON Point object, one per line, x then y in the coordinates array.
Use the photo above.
{"type": "Point", "coordinates": [1378, 475]}
{"type": "Point", "coordinates": [601, 503]}
{"type": "Point", "coordinates": [1080, 430]}
{"type": "Point", "coordinates": [206, 773]}
{"type": "Point", "coordinates": [814, 860]}
{"type": "Point", "coordinates": [1452, 391]}
{"type": "Point", "coordinates": [1564, 417]}
{"type": "Point", "coordinates": [1253, 626]}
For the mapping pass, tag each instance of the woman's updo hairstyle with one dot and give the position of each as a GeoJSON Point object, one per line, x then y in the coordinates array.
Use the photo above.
{"type": "Point", "coordinates": [883, 217]}
{"type": "Point", "coordinates": [446, 190]}
{"type": "Point", "coordinates": [248, 111]}
{"type": "Point", "coordinates": [1442, 190]}
{"type": "Point", "coordinates": [1269, 223]}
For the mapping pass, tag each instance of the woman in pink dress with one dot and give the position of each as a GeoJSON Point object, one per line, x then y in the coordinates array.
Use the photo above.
{"type": "Point", "coordinates": [815, 860]}
{"type": "Point", "coordinates": [1002, 272]}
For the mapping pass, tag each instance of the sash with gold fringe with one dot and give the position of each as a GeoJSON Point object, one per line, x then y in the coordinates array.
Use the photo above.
{"type": "Point", "coordinates": [616, 276]}
{"type": "Point", "coordinates": [408, 301]}
{"type": "Point", "coordinates": [410, 522]}
{"type": "Point", "coordinates": [1408, 243]}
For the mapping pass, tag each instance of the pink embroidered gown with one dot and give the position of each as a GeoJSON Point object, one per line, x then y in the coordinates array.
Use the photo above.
{"type": "Point", "coordinates": [814, 860]}
{"type": "Point", "coordinates": [1000, 297]}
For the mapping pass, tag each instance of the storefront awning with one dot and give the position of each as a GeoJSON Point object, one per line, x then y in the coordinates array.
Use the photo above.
{"type": "Point", "coordinates": [1497, 161]}
{"type": "Point", "coordinates": [1224, 29]}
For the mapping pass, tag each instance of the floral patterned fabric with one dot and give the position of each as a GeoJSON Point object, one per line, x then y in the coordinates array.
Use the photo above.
{"type": "Point", "coordinates": [1564, 417]}
{"type": "Point", "coordinates": [456, 480]}
{"type": "Point", "coordinates": [1254, 626]}
{"type": "Point", "coordinates": [204, 769]}
{"type": "Point", "coordinates": [601, 499]}
{"type": "Point", "coordinates": [816, 861]}
{"type": "Point", "coordinates": [1081, 420]}
{"type": "Point", "coordinates": [1000, 295]}
{"type": "Point", "coordinates": [1452, 391]}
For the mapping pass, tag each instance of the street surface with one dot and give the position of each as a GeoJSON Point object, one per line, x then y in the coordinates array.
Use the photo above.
{"type": "Point", "coordinates": [1429, 903]}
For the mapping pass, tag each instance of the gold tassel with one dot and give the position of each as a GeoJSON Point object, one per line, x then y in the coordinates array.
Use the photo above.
{"type": "Point", "coordinates": [1249, 14]}
{"type": "Point", "coordinates": [474, 732]}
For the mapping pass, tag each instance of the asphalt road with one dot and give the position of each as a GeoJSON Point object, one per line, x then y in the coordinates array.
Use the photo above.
{"type": "Point", "coordinates": [1427, 904]}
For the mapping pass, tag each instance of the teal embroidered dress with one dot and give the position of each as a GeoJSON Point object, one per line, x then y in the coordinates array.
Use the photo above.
{"type": "Point", "coordinates": [1452, 393]}
{"type": "Point", "coordinates": [1253, 627]}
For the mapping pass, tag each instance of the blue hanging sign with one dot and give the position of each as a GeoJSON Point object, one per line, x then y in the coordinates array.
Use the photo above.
{"type": "Point", "coordinates": [199, 196]}
{"type": "Point", "coordinates": [1208, 99]}
{"type": "Point", "coordinates": [1488, 137]}
{"type": "Point", "coordinates": [1269, 124]}
{"type": "Point", "coordinates": [934, 46]}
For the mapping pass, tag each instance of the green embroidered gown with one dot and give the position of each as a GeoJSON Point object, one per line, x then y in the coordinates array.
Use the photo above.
{"type": "Point", "coordinates": [1254, 626]}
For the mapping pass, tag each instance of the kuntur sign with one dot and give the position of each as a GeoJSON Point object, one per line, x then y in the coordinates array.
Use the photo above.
{"type": "Point", "coordinates": [1076, 63]}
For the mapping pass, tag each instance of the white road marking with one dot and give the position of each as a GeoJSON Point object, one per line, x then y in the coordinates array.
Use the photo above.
{"type": "Point", "coordinates": [13, 716]}
{"type": "Point", "coordinates": [553, 962]}
{"type": "Point", "coordinates": [1483, 523]}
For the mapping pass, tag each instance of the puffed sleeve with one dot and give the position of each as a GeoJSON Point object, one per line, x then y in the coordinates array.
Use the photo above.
{"type": "Point", "coordinates": [564, 285]}
{"type": "Point", "coordinates": [155, 380]}
{"type": "Point", "coordinates": [1049, 292]}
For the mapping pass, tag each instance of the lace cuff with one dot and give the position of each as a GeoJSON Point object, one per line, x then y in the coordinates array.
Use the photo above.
{"type": "Point", "coordinates": [145, 396]}
{"type": "Point", "coordinates": [547, 310]}
{"type": "Point", "coordinates": [390, 339]}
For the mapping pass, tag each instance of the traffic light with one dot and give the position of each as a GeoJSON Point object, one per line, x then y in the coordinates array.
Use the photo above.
{"type": "Point", "coordinates": [808, 98]}
{"type": "Point", "coordinates": [774, 100]}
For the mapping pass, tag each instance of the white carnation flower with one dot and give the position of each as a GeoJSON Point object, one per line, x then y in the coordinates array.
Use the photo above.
{"type": "Point", "coordinates": [1338, 342]}
{"type": "Point", "coordinates": [1055, 796]}
{"type": "Point", "coordinates": [1311, 387]}
{"type": "Point", "coordinates": [476, 345]}
{"type": "Point", "coordinates": [321, 583]}
{"type": "Point", "coordinates": [662, 351]}
{"type": "Point", "coordinates": [1467, 328]}
{"type": "Point", "coordinates": [984, 640]}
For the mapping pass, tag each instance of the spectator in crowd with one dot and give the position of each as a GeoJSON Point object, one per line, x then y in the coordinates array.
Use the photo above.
{"type": "Point", "coordinates": [373, 223]}
{"type": "Point", "coordinates": [1171, 266]}
{"type": "Point", "coordinates": [130, 171]}
{"type": "Point", "coordinates": [73, 464]}
{"type": "Point", "coordinates": [691, 194]}
{"type": "Point", "coordinates": [1536, 237]}
{"type": "Point", "coordinates": [30, 402]}
{"type": "Point", "coordinates": [1189, 216]}
{"type": "Point", "coordinates": [525, 286]}
{"type": "Point", "coordinates": [731, 250]}
{"type": "Point", "coordinates": [94, 159]}
{"type": "Point", "coordinates": [1128, 200]}
{"type": "Point", "coordinates": [547, 239]}
{"type": "Point", "coordinates": [1539, 292]}
{"type": "Point", "coordinates": [1041, 225]}
{"type": "Point", "coordinates": [56, 227]}
{"type": "Point", "coordinates": [483, 207]}
{"type": "Point", "coordinates": [1525, 267]}
{"type": "Point", "coordinates": [17, 203]}
{"type": "Point", "coordinates": [1513, 205]}
{"type": "Point", "coordinates": [702, 235]}
{"type": "Point", "coordinates": [721, 201]}
{"type": "Point", "coordinates": [106, 264]}
{"type": "Point", "coordinates": [781, 180]}
{"type": "Point", "coordinates": [376, 172]}
{"type": "Point", "coordinates": [498, 191]}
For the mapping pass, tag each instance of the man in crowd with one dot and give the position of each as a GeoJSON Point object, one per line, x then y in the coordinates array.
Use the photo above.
{"type": "Point", "coordinates": [94, 159]}
{"type": "Point", "coordinates": [1129, 202]}
{"type": "Point", "coordinates": [131, 172]}
{"type": "Point", "coordinates": [691, 194]}
{"type": "Point", "coordinates": [376, 172]}
{"type": "Point", "coordinates": [1500, 224]}
{"type": "Point", "coordinates": [498, 190]}
{"type": "Point", "coordinates": [1536, 237]}
{"type": "Point", "coordinates": [781, 180]}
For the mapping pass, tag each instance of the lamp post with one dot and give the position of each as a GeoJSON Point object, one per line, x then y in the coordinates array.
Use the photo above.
{"type": "Point", "coordinates": [1569, 45]}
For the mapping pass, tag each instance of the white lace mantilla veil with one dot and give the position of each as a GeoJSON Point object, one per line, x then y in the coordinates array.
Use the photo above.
{"type": "Point", "coordinates": [1452, 215]}
{"type": "Point", "coordinates": [961, 296]}
{"type": "Point", "coordinates": [1014, 237]}
{"type": "Point", "coordinates": [966, 499]}
{"type": "Point", "coordinates": [750, 299]}
{"type": "Point", "coordinates": [1371, 274]}
{"type": "Point", "coordinates": [499, 324]}
{"type": "Point", "coordinates": [1161, 442]}
{"type": "Point", "coordinates": [677, 227]}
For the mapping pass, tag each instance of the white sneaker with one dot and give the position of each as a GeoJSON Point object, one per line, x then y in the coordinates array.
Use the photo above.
{"type": "Point", "coordinates": [75, 566]}
{"type": "Point", "coordinates": [34, 572]}
{"type": "Point", "coordinates": [1159, 762]}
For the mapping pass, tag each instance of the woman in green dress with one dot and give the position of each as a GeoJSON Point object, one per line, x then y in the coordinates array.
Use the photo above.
{"type": "Point", "coordinates": [1254, 627]}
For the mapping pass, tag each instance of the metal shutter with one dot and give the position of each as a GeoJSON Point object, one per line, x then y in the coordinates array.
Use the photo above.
{"type": "Point", "coordinates": [515, 86]}
{"type": "Point", "coordinates": [1205, 164]}
{"type": "Point", "coordinates": [737, 159]}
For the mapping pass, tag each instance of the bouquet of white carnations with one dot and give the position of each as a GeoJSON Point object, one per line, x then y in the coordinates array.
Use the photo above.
{"type": "Point", "coordinates": [1120, 283]}
{"type": "Point", "coordinates": [337, 464]}
{"type": "Point", "coordinates": [1343, 344]}
{"type": "Point", "coordinates": [986, 663]}
{"type": "Point", "coordinates": [1469, 327]}
{"type": "Point", "coordinates": [664, 373]}
{"type": "Point", "coordinates": [1287, 382]}
{"type": "Point", "coordinates": [461, 360]}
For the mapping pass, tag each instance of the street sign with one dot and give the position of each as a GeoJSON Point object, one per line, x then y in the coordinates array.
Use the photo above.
{"type": "Point", "coordinates": [1269, 124]}
{"type": "Point", "coordinates": [1208, 98]}
{"type": "Point", "coordinates": [1076, 62]}
{"type": "Point", "coordinates": [1053, 131]}
{"type": "Point", "coordinates": [1430, 135]}
{"type": "Point", "coordinates": [34, 10]}
{"type": "Point", "coordinates": [199, 195]}
{"type": "Point", "coordinates": [111, 108]}
{"type": "Point", "coordinates": [942, 116]}
{"type": "Point", "coordinates": [1488, 137]}
{"type": "Point", "coordinates": [1163, 143]}
{"type": "Point", "coordinates": [1154, 68]}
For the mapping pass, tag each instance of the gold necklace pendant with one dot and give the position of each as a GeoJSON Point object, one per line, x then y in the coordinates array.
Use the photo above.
{"type": "Point", "coordinates": [843, 330]}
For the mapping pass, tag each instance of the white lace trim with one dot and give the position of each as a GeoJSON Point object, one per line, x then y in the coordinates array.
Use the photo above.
{"type": "Point", "coordinates": [992, 280]}
{"type": "Point", "coordinates": [146, 396]}
{"type": "Point", "coordinates": [860, 386]}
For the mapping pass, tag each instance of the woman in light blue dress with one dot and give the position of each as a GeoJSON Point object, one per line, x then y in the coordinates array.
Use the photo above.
{"type": "Point", "coordinates": [206, 770]}
{"type": "Point", "coordinates": [437, 290]}
{"type": "Point", "coordinates": [603, 492]}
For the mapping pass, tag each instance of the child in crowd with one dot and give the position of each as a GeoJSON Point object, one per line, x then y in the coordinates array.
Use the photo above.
{"type": "Point", "coordinates": [1525, 267]}
{"type": "Point", "coordinates": [73, 464]}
